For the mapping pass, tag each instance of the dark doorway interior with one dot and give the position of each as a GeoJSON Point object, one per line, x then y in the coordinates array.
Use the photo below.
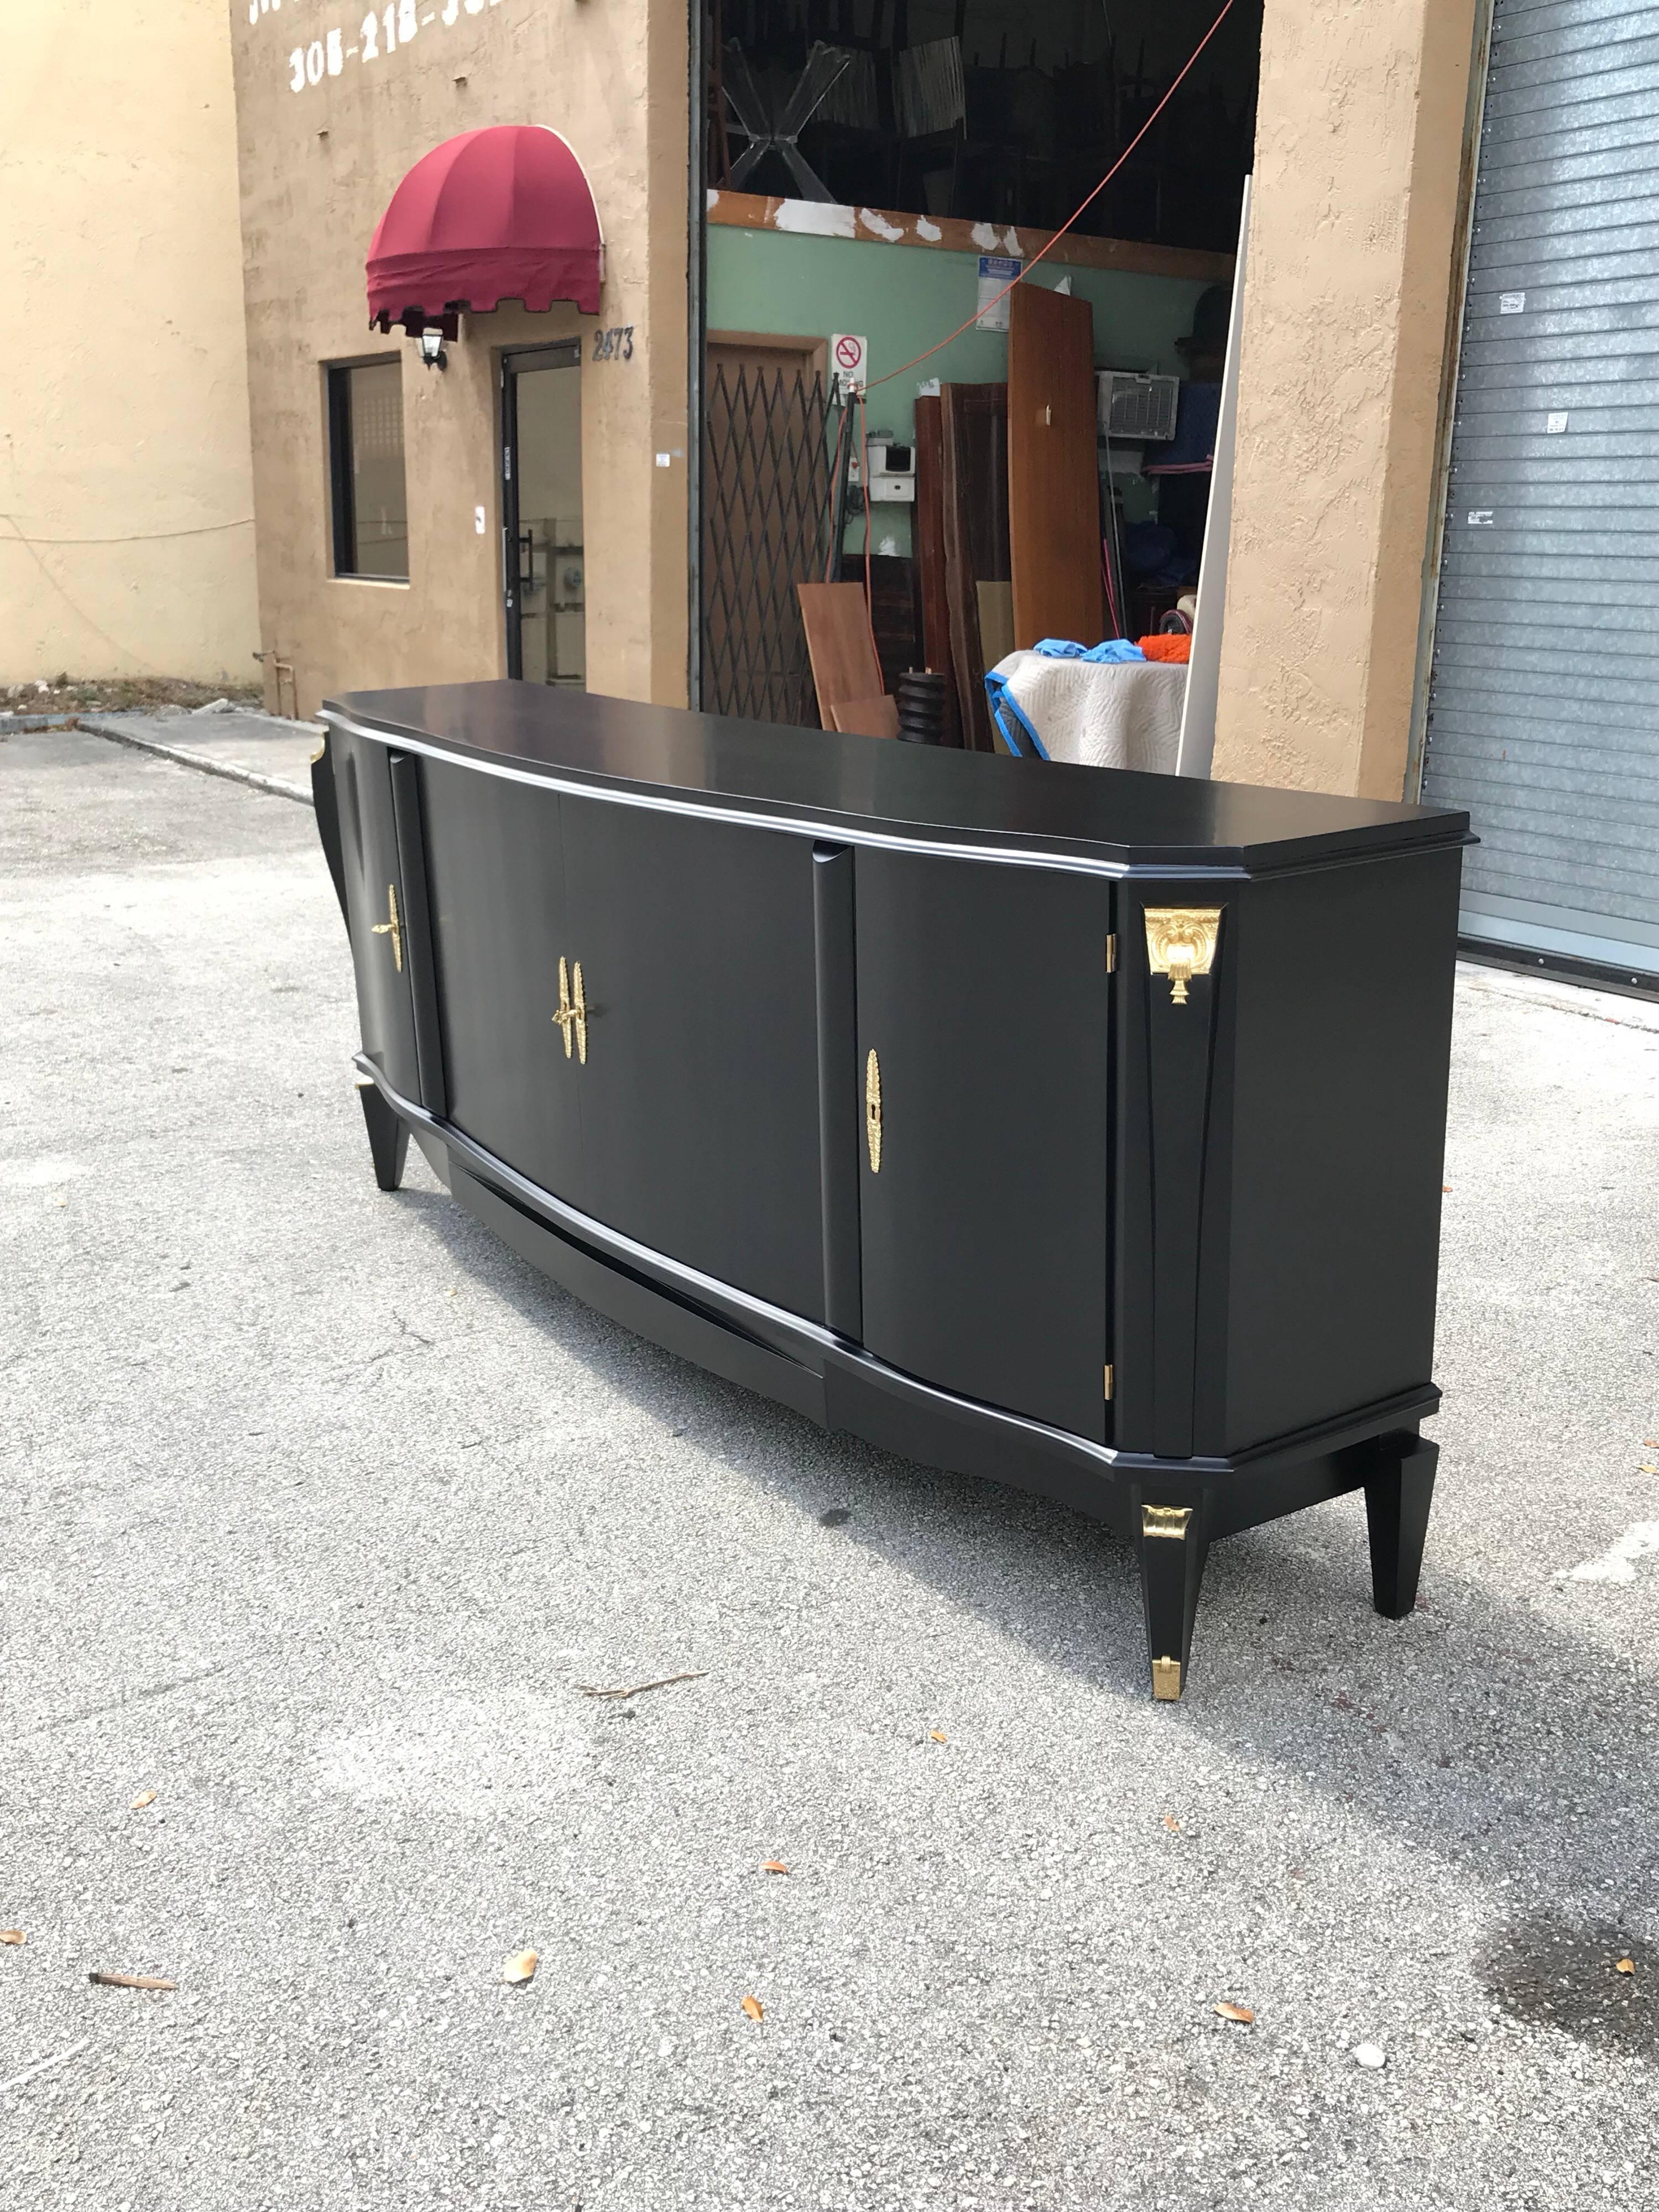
{"type": "Point", "coordinates": [993, 111]}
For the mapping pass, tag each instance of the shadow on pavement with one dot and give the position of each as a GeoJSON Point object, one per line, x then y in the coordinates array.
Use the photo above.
{"type": "Point", "coordinates": [1478, 1732]}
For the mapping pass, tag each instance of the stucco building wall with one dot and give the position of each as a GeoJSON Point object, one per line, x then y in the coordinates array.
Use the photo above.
{"type": "Point", "coordinates": [126, 534]}
{"type": "Point", "coordinates": [319, 164]}
{"type": "Point", "coordinates": [1360, 139]}
{"type": "Point", "coordinates": [1360, 148]}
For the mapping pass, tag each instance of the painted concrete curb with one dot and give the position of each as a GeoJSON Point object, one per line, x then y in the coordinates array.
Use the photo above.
{"type": "Point", "coordinates": [96, 727]}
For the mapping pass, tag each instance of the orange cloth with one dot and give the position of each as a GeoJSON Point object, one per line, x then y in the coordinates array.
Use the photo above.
{"type": "Point", "coordinates": [1176, 648]}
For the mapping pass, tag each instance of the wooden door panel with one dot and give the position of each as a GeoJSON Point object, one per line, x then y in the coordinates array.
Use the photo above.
{"type": "Point", "coordinates": [699, 1097]}
{"type": "Point", "coordinates": [982, 990]}
{"type": "Point", "coordinates": [495, 873]}
{"type": "Point", "coordinates": [377, 908]}
{"type": "Point", "coordinates": [1054, 479]}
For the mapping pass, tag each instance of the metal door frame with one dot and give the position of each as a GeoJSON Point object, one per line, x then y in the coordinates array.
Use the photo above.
{"type": "Point", "coordinates": [696, 283]}
{"type": "Point", "coordinates": [519, 360]}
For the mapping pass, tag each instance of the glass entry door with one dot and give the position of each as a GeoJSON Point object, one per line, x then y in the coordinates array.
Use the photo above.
{"type": "Point", "coordinates": [542, 510]}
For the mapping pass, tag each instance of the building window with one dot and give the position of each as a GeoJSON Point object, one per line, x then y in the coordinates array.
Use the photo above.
{"type": "Point", "coordinates": [366, 470]}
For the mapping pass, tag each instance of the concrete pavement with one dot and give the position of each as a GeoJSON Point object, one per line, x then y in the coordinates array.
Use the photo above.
{"type": "Point", "coordinates": [248, 747]}
{"type": "Point", "coordinates": [322, 1508]}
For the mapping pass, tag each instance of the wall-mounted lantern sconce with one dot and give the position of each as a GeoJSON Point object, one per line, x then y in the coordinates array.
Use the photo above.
{"type": "Point", "coordinates": [431, 343]}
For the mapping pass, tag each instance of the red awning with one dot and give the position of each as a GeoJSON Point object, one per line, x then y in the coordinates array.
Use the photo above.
{"type": "Point", "coordinates": [500, 214]}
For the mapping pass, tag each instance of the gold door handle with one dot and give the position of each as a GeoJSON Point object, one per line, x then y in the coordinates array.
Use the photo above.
{"type": "Point", "coordinates": [393, 928]}
{"type": "Point", "coordinates": [566, 1014]}
{"type": "Point", "coordinates": [572, 1016]}
{"type": "Point", "coordinates": [872, 1109]}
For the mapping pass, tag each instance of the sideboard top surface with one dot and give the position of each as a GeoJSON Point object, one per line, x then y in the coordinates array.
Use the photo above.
{"type": "Point", "coordinates": [1116, 816]}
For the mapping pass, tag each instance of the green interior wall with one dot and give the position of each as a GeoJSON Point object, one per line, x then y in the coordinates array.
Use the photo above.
{"type": "Point", "coordinates": [904, 299]}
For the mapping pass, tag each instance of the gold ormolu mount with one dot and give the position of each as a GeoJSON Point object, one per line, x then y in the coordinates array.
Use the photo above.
{"type": "Point", "coordinates": [1180, 943]}
{"type": "Point", "coordinates": [873, 1110]}
{"type": "Point", "coordinates": [391, 927]}
{"type": "Point", "coordinates": [1171, 1522]}
{"type": "Point", "coordinates": [1165, 1521]}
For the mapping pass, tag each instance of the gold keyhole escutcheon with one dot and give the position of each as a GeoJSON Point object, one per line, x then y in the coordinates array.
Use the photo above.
{"type": "Point", "coordinates": [391, 927]}
{"type": "Point", "coordinates": [872, 1109]}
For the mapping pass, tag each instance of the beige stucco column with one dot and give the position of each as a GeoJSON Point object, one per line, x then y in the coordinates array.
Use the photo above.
{"type": "Point", "coordinates": [1360, 143]}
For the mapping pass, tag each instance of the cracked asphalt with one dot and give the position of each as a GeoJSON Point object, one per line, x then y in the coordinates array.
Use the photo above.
{"type": "Point", "coordinates": [321, 1509]}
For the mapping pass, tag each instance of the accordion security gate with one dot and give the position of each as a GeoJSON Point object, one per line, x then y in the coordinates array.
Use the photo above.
{"type": "Point", "coordinates": [767, 494]}
{"type": "Point", "coordinates": [1544, 702]}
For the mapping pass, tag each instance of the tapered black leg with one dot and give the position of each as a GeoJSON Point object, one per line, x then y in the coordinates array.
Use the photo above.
{"type": "Point", "coordinates": [1397, 1501]}
{"type": "Point", "coordinates": [1171, 1541]}
{"type": "Point", "coordinates": [388, 1137]}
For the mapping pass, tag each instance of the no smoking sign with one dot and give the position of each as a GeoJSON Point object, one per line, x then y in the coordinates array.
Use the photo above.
{"type": "Point", "coordinates": [848, 360]}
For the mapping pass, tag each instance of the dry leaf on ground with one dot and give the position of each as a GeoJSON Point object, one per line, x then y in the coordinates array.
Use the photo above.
{"type": "Point", "coordinates": [12, 1935]}
{"type": "Point", "coordinates": [144, 1797]}
{"type": "Point", "coordinates": [774, 1866]}
{"type": "Point", "coordinates": [1624, 1966]}
{"type": "Point", "coordinates": [1172, 1824]}
{"type": "Point", "coordinates": [132, 1981]}
{"type": "Point", "coordinates": [754, 2008]}
{"type": "Point", "coordinates": [1242, 2014]}
{"type": "Point", "coordinates": [936, 1735]}
{"type": "Point", "coordinates": [521, 1966]}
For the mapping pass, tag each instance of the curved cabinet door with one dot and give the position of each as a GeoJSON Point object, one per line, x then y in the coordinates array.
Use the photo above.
{"type": "Point", "coordinates": [378, 907]}
{"type": "Point", "coordinates": [495, 879]}
{"type": "Point", "coordinates": [983, 993]}
{"type": "Point", "coordinates": [699, 1097]}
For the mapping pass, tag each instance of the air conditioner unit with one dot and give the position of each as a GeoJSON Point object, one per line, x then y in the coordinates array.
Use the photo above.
{"type": "Point", "coordinates": [1136, 407]}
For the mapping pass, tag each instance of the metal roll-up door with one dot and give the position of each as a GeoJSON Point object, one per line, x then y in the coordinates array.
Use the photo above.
{"type": "Point", "coordinates": [1543, 716]}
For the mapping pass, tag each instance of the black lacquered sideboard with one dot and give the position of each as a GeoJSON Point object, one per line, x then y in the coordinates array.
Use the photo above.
{"type": "Point", "coordinates": [1073, 1127]}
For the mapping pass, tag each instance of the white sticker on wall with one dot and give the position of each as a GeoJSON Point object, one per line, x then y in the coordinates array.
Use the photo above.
{"type": "Point", "coordinates": [478, 520]}
{"type": "Point", "coordinates": [1554, 424]}
{"type": "Point", "coordinates": [1511, 303]}
{"type": "Point", "coordinates": [1481, 518]}
{"type": "Point", "coordinates": [663, 461]}
{"type": "Point", "coordinates": [998, 273]}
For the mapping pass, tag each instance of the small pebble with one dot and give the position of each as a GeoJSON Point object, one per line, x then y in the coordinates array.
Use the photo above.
{"type": "Point", "coordinates": [1369, 2054]}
